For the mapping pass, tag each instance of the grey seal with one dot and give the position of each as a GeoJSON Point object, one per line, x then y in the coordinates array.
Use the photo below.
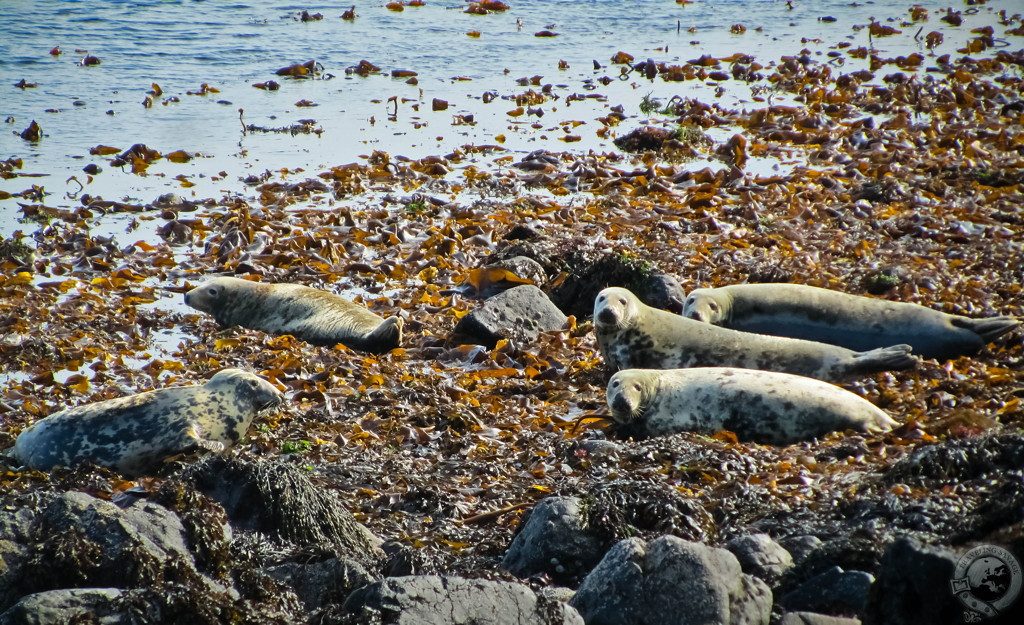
{"type": "Point", "coordinates": [852, 321]}
{"type": "Point", "coordinates": [841, 319]}
{"type": "Point", "coordinates": [135, 434]}
{"type": "Point", "coordinates": [309, 314]}
{"type": "Point", "coordinates": [759, 406]}
{"type": "Point", "coordinates": [632, 335]}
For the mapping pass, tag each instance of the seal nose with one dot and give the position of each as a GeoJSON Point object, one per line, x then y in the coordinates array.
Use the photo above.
{"type": "Point", "coordinates": [697, 316]}
{"type": "Point", "coordinates": [187, 302]}
{"type": "Point", "coordinates": [620, 404]}
{"type": "Point", "coordinates": [606, 316]}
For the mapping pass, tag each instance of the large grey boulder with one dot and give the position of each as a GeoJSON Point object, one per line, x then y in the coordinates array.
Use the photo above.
{"type": "Point", "coordinates": [15, 533]}
{"type": "Point", "coordinates": [519, 314]}
{"type": "Point", "coordinates": [912, 586]}
{"type": "Point", "coordinates": [761, 557]}
{"type": "Point", "coordinates": [670, 581]}
{"type": "Point", "coordinates": [554, 539]}
{"type": "Point", "coordinates": [834, 591]}
{"type": "Point", "coordinates": [59, 607]}
{"type": "Point", "coordinates": [434, 600]}
{"type": "Point", "coordinates": [810, 618]}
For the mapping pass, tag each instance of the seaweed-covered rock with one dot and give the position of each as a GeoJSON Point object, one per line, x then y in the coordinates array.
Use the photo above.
{"type": "Point", "coordinates": [619, 509]}
{"type": "Point", "coordinates": [318, 584]}
{"type": "Point", "coordinates": [761, 556]}
{"type": "Point", "coordinates": [60, 607]}
{"type": "Point", "coordinates": [964, 458]}
{"type": "Point", "coordinates": [519, 314]}
{"type": "Point", "coordinates": [87, 542]}
{"type": "Point", "coordinates": [555, 539]}
{"type": "Point", "coordinates": [278, 500]}
{"type": "Point", "coordinates": [429, 600]}
{"type": "Point", "coordinates": [644, 138]}
{"type": "Point", "coordinates": [835, 591]}
{"type": "Point", "coordinates": [671, 581]}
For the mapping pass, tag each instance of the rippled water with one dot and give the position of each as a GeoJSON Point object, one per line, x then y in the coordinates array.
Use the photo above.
{"type": "Point", "coordinates": [182, 44]}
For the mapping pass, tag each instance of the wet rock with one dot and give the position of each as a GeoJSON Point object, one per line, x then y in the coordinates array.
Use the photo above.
{"type": "Point", "coordinates": [555, 539]}
{"type": "Point", "coordinates": [671, 581]}
{"type": "Point", "coordinates": [835, 591]}
{"type": "Point", "coordinates": [524, 267]}
{"type": "Point", "coordinates": [429, 599]}
{"type": "Point", "coordinates": [59, 607]}
{"type": "Point", "coordinates": [810, 618]}
{"type": "Point", "coordinates": [799, 547]}
{"type": "Point", "coordinates": [906, 589]}
{"type": "Point", "coordinates": [761, 557]}
{"type": "Point", "coordinates": [662, 291]}
{"type": "Point", "coordinates": [280, 501]}
{"type": "Point", "coordinates": [318, 584]}
{"type": "Point", "coordinates": [519, 314]}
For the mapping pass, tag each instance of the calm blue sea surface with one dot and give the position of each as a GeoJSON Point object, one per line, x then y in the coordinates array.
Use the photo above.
{"type": "Point", "coordinates": [230, 46]}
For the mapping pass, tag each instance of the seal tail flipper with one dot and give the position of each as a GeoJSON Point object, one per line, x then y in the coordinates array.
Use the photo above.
{"type": "Point", "coordinates": [388, 334]}
{"type": "Point", "coordinates": [892, 358]}
{"type": "Point", "coordinates": [882, 423]}
{"type": "Point", "coordinates": [990, 328]}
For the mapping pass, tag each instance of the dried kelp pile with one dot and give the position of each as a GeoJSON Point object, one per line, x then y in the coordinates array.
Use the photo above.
{"type": "Point", "coordinates": [903, 181]}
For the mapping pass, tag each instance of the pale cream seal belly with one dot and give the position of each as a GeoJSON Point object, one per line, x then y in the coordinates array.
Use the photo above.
{"type": "Point", "coordinates": [852, 321]}
{"type": "Point", "coordinates": [315, 316]}
{"type": "Point", "coordinates": [632, 335]}
{"type": "Point", "coordinates": [759, 406]}
{"type": "Point", "coordinates": [136, 433]}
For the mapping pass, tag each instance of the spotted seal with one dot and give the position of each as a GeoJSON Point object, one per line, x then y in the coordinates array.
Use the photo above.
{"type": "Point", "coordinates": [852, 321]}
{"type": "Point", "coordinates": [136, 433]}
{"type": "Point", "coordinates": [759, 406]}
{"type": "Point", "coordinates": [306, 313]}
{"type": "Point", "coordinates": [632, 335]}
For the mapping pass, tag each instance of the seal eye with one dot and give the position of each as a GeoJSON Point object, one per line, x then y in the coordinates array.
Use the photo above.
{"type": "Point", "coordinates": [212, 291]}
{"type": "Point", "coordinates": [622, 301]}
{"type": "Point", "coordinates": [689, 302]}
{"type": "Point", "coordinates": [713, 306]}
{"type": "Point", "coordinates": [252, 384]}
{"type": "Point", "coordinates": [615, 383]}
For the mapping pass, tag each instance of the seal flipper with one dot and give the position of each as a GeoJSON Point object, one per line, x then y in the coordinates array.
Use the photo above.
{"type": "Point", "coordinates": [893, 358]}
{"type": "Point", "coordinates": [989, 328]}
{"type": "Point", "coordinates": [192, 438]}
{"type": "Point", "coordinates": [387, 336]}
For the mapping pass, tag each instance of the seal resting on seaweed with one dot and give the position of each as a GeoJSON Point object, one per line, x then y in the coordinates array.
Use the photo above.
{"type": "Point", "coordinates": [135, 434]}
{"type": "Point", "coordinates": [632, 335]}
{"type": "Point", "coordinates": [852, 321]}
{"type": "Point", "coordinates": [306, 313]}
{"type": "Point", "coordinates": [760, 406]}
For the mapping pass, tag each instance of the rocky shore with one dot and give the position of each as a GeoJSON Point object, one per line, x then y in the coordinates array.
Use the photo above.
{"type": "Point", "coordinates": [458, 478]}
